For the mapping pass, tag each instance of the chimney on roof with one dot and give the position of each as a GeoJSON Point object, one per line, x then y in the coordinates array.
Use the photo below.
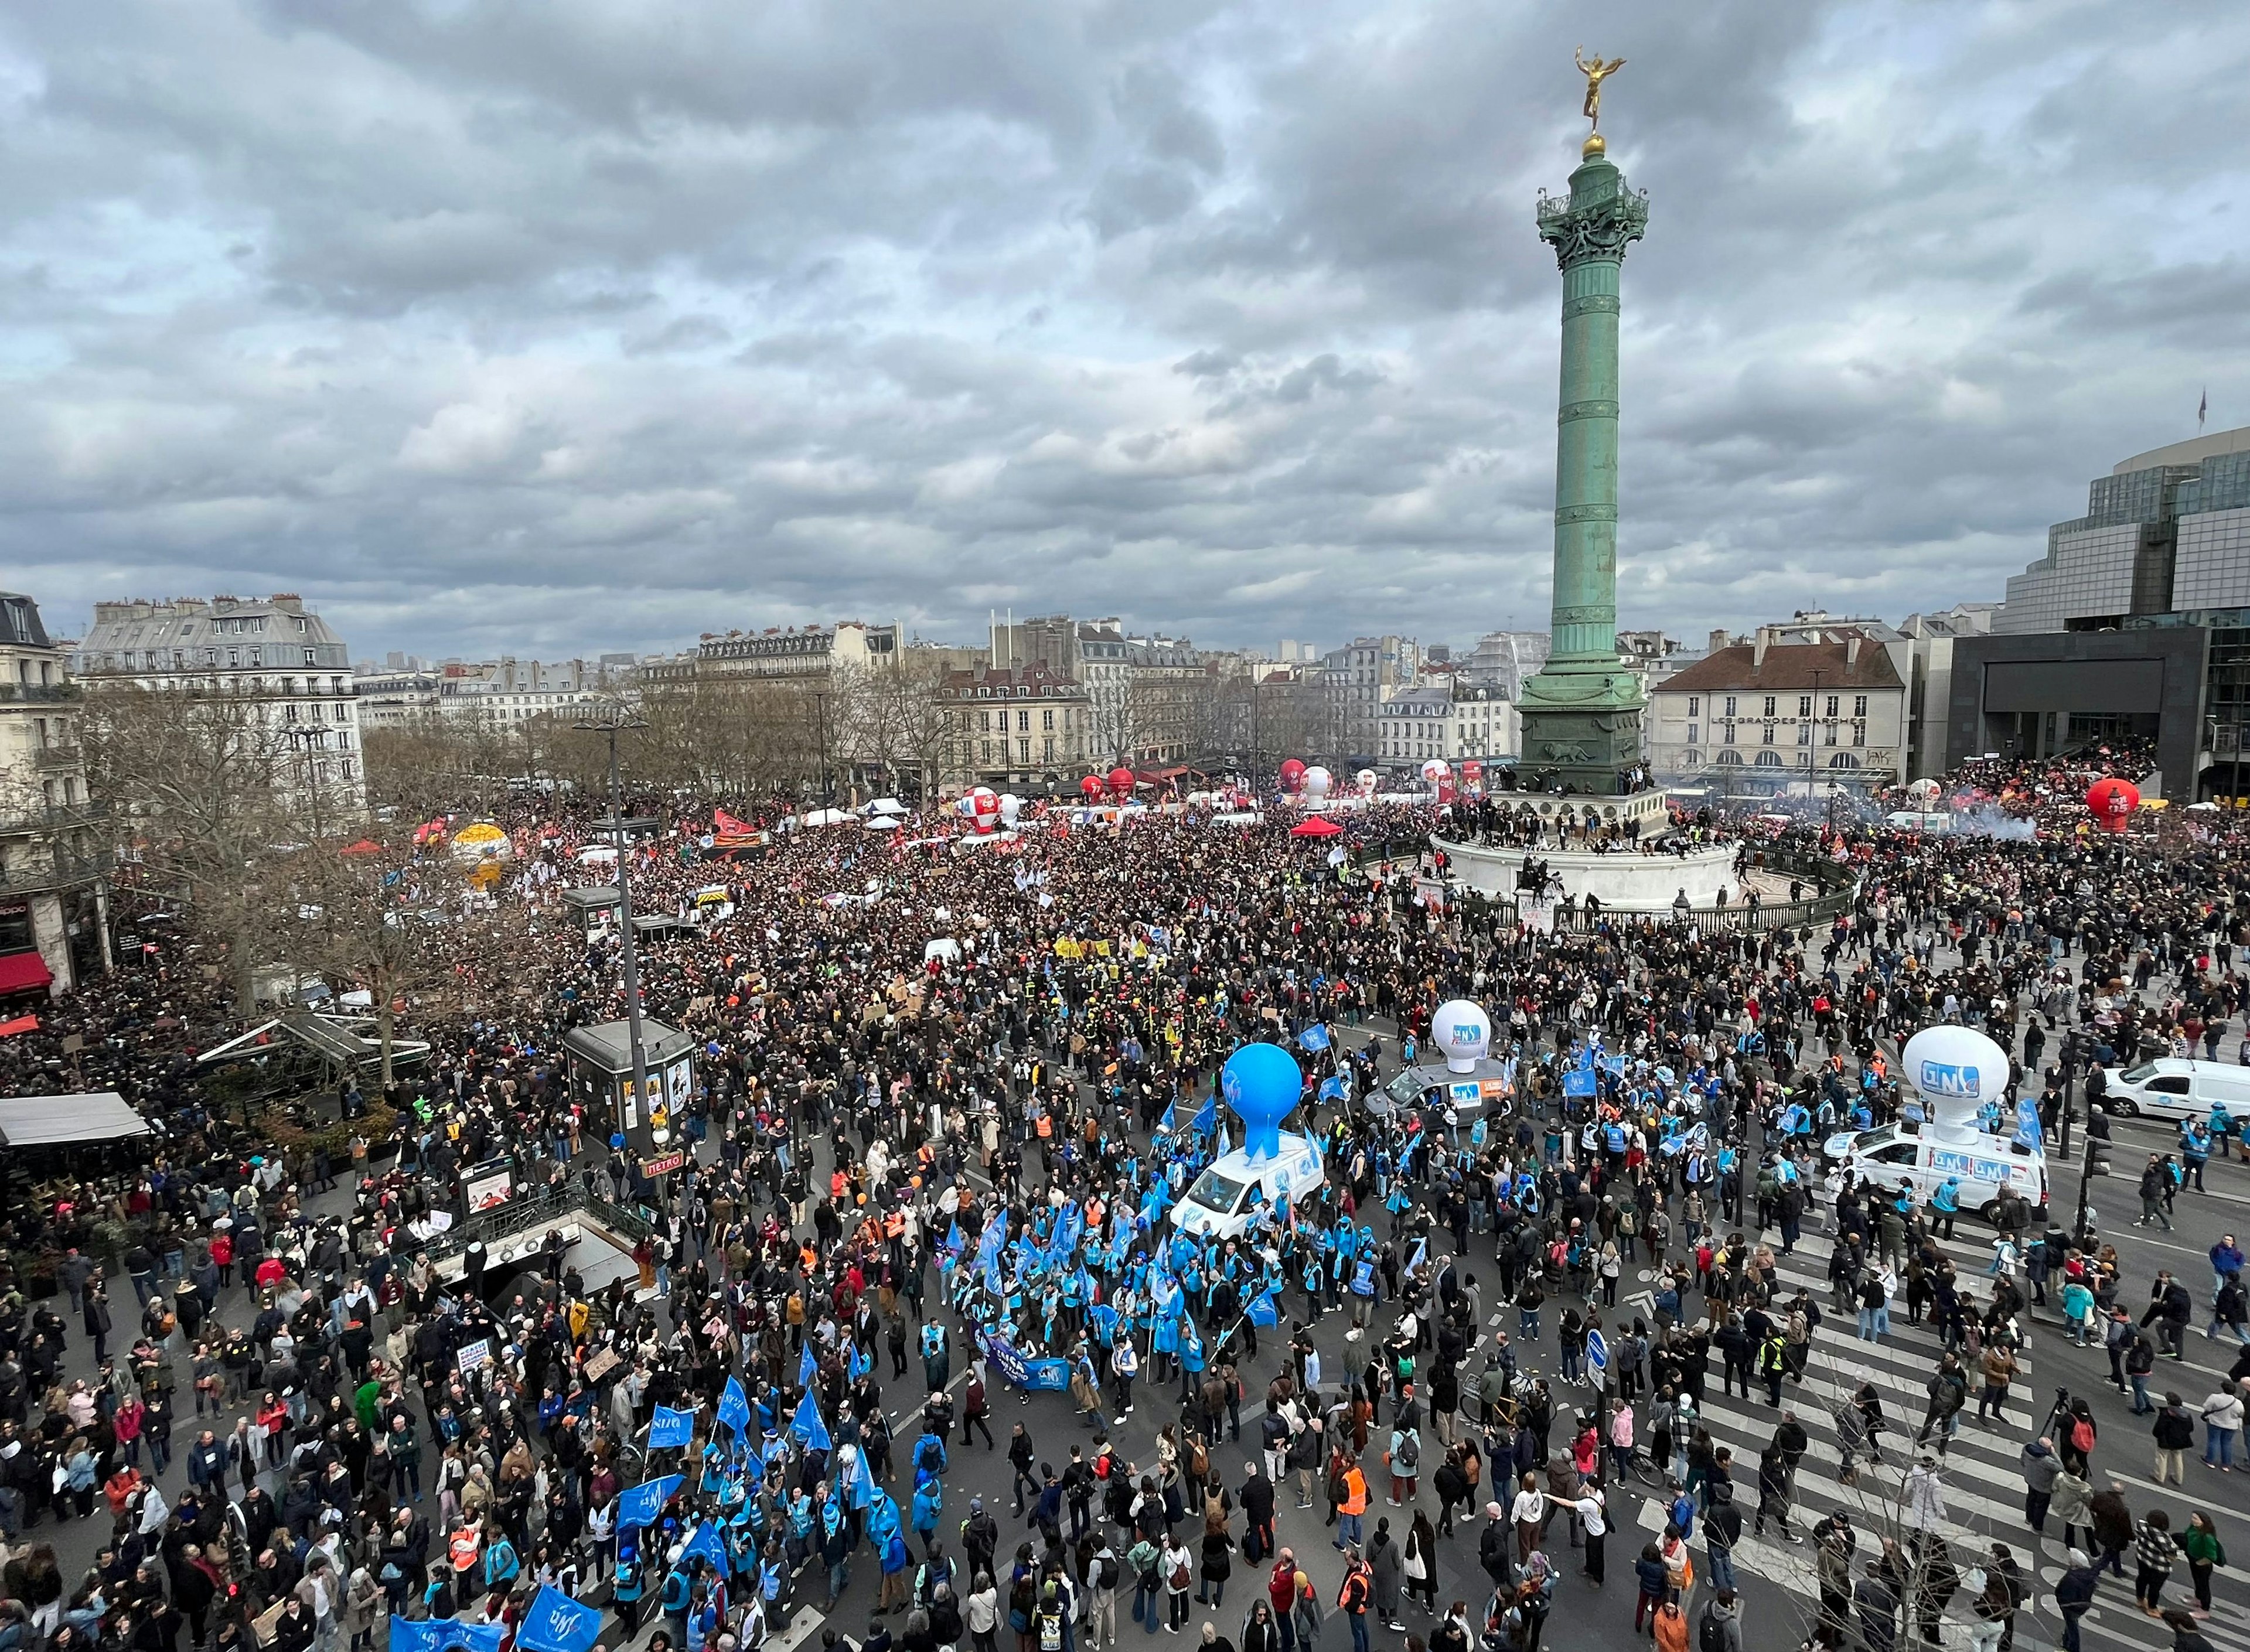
{"type": "Point", "coordinates": [1718, 639]}
{"type": "Point", "coordinates": [1764, 640]}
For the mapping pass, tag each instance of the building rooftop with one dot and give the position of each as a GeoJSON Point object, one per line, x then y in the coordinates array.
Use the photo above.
{"type": "Point", "coordinates": [1788, 667]}
{"type": "Point", "coordinates": [19, 622]}
{"type": "Point", "coordinates": [2188, 452]}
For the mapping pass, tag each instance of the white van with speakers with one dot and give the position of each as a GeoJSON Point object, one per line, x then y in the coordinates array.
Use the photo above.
{"type": "Point", "coordinates": [1983, 1165]}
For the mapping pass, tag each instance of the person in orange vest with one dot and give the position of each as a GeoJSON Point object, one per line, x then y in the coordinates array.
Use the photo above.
{"type": "Point", "coordinates": [1352, 1599]}
{"type": "Point", "coordinates": [1353, 1506]}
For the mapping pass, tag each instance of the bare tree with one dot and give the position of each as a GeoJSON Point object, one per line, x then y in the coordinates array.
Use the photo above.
{"type": "Point", "coordinates": [395, 919]}
{"type": "Point", "coordinates": [200, 779]}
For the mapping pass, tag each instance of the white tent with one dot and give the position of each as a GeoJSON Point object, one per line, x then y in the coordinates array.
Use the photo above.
{"type": "Point", "coordinates": [886, 806]}
{"type": "Point", "coordinates": [39, 1121]}
{"type": "Point", "coordinates": [881, 822]}
{"type": "Point", "coordinates": [825, 817]}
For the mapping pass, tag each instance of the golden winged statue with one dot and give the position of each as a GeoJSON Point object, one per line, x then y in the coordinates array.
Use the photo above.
{"type": "Point", "coordinates": [1595, 72]}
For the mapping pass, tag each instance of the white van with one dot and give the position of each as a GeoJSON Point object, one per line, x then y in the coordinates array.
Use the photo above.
{"type": "Point", "coordinates": [2176, 1087]}
{"type": "Point", "coordinates": [1229, 1195]}
{"type": "Point", "coordinates": [1885, 1157]}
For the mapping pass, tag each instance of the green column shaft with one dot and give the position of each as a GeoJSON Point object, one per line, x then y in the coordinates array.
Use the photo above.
{"type": "Point", "coordinates": [1586, 465]}
{"type": "Point", "coordinates": [1581, 712]}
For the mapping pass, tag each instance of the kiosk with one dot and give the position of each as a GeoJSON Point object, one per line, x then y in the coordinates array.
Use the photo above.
{"type": "Point", "coordinates": [600, 1060]}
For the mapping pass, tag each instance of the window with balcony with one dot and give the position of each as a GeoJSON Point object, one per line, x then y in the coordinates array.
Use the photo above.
{"type": "Point", "coordinates": [1859, 704]}
{"type": "Point", "coordinates": [1859, 732]}
{"type": "Point", "coordinates": [1832, 706]}
{"type": "Point", "coordinates": [1727, 733]}
{"type": "Point", "coordinates": [1694, 707]}
{"type": "Point", "coordinates": [1692, 735]}
{"type": "Point", "coordinates": [1804, 734]}
{"type": "Point", "coordinates": [1768, 732]}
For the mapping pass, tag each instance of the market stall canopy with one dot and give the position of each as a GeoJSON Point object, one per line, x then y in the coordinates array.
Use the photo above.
{"type": "Point", "coordinates": [41, 1121]}
{"type": "Point", "coordinates": [826, 817]}
{"type": "Point", "coordinates": [886, 806]}
{"type": "Point", "coordinates": [1316, 826]}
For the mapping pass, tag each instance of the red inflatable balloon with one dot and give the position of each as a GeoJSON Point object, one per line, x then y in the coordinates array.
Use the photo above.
{"type": "Point", "coordinates": [2113, 801]}
{"type": "Point", "coordinates": [1292, 774]}
{"type": "Point", "coordinates": [1090, 788]}
{"type": "Point", "coordinates": [1120, 783]}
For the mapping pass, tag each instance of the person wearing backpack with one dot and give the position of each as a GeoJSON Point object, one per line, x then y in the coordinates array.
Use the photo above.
{"type": "Point", "coordinates": [1144, 1557]}
{"type": "Point", "coordinates": [1718, 1627]}
{"type": "Point", "coordinates": [1405, 1460]}
{"type": "Point", "coordinates": [1099, 1610]}
{"type": "Point", "coordinates": [1179, 1574]}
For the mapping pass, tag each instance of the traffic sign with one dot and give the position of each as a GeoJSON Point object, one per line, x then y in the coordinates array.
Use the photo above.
{"type": "Point", "coordinates": [1597, 1351]}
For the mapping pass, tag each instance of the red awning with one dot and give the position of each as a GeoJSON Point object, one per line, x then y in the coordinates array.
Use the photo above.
{"type": "Point", "coordinates": [24, 973]}
{"type": "Point", "coordinates": [1319, 826]}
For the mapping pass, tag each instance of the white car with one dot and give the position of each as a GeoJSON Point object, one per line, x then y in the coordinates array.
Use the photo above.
{"type": "Point", "coordinates": [1227, 1198]}
{"type": "Point", "coordinates": [2179, 1087]}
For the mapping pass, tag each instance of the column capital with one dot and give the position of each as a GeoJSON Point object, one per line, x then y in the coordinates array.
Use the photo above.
{"type": "Point", "coordinates": [1600, 218]}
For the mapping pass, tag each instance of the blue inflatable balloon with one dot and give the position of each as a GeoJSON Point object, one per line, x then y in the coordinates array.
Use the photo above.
{"type": "Point", "coordinates": [1261, 1083]}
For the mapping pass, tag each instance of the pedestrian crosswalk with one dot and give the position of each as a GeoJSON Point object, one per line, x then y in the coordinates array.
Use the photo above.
{"type": "Point", "coordinates": [1980, 1472]}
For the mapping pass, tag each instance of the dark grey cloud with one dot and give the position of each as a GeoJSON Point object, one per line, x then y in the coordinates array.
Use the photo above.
{"type": "Point", "coordinates": [579, 325]}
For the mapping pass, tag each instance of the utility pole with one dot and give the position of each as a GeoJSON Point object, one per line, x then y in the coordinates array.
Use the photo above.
{"type": "Point", "coordinates": [616, 720]}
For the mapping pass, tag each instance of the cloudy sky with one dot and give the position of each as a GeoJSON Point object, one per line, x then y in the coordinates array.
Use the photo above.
{"type": "Point", "coordinates": [593, 323]}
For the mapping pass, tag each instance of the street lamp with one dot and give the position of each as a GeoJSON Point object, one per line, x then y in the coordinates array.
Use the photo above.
{"type": "Point", "coordinates": [613, 720]}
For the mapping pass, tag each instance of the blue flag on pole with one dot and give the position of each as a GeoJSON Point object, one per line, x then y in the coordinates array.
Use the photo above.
{"type": "Point", "coordinates": [733, 1405]}
{"type": "Point", "coordinates": [805, 1368]}
{"type": "Point", "coordinates": [709, 1545]}
{"type": "Point", "coordinates": [1206, 1118]}
{"type": "Point", "coordinates": [858, 1367]}
{"type": "Point", "coordinates": [557, 1623]}
{"type": "Point", "coordinates": [1262, 1311]}
{"type": "Point", "coordinates": [1314, 1038]}
{"type": "Point", "coordinates": [1332, 1087]}
{"type": "Point", "coordinates": [640, 1504]}
{"type": "Point", "coordinates": [440, 1634]}
{"type": "Point", "coordinates": [807, 1426]}
{"type": "Point", "coordinates": [862, 1490]}
{"type": "Point", "coordinates": [671, 1428]}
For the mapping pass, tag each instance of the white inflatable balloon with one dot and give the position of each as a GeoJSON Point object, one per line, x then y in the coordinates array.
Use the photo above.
{"type": "Point", "coordinates": [1366, 777]}
{"type": "Point", "coordinates": [1317, 781]}
{"type": "Point", "coordinates": [1463, 1031]}
{"type": "Point", "coordinates": [1956, 1071]}
{"type": "Point", "coordinates": [1010, 806]}
{"type": "Point", "coordinates": [1923, 791]}
{"type": "Point", "coordinates": [1436, 769]}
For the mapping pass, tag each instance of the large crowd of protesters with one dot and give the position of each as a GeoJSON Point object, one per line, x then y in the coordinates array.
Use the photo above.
{"type": "Point", "coordinates": [946, 1100]}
